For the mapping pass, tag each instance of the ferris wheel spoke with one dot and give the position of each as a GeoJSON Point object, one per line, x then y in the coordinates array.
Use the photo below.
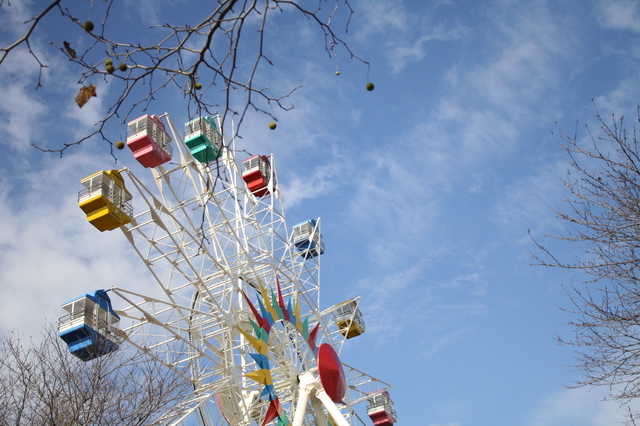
{"type": "Point", "coordinates": [164, 328]}
{"type": "Point", "coordinates": [170, 251]}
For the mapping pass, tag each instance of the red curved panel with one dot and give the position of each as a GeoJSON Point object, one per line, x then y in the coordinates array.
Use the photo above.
{"type": "Point", "coordinates": [331, 372]}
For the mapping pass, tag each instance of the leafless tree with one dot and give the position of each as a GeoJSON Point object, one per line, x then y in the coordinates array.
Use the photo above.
{"type": "Point", "coordinates": [603, 216]}
{"type": "Point", "coordinates": [42, 384]}
{"type": "Point", "coordinates": [214, 62]}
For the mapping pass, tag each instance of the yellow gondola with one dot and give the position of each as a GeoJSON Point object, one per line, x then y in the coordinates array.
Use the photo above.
{"type": "Point", "coordinates": [349, 319]}
{"type": "Point", "coordinates": [105, 200]}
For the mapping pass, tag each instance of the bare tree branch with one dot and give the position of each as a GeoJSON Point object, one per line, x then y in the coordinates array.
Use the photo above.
{"type": "Point", "coordinates": [603, 215]}
{"type": "Point", "coordinates": [203, 60]}
{"type": "Point", "coordinates": [42, 384]}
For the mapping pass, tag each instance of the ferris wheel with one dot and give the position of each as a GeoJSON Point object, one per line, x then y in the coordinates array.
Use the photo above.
{"type": "Point", "coordinates": [235, 308]}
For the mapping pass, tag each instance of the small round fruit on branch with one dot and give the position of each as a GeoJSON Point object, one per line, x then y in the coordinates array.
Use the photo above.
{"type": "Point", "coordinates": [273, 125]}
{"type": "Point", "coordinates": [88, 26]}
{"type": "Point", "coordinates": [120, 145]}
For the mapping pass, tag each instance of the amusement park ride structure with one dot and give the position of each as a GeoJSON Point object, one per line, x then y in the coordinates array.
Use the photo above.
{"type": "Point", "coordinates": [237, 307]}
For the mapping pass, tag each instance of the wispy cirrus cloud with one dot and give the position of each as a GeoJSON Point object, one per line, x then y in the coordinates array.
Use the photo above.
{"type": "Point", "coordinates": [618, 14]}
{"type": "Point", "coordinates": [400, 34]}
{"type": "Point", "coordinates": [14, 17]}
{"type": "Point", "coordinates": [578, 407]}
{"type": "Point", "coordinates": [427, 182]}
{"type": "Point", "coordinates": [484, 116]}
{"type": "Point", "coordinates": [527, 201]}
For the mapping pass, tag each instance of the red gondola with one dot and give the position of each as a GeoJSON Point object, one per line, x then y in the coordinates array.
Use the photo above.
{"type": "Point", "coordinates": [380, 409]}
{"type": "Point", "coordinates": [256, 172]}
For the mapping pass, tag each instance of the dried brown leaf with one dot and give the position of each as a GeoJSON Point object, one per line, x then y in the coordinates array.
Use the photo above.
{"type": "Point", "coordinates": [84, 94]}
{"type": "Point", "coordinates": [69, 50]}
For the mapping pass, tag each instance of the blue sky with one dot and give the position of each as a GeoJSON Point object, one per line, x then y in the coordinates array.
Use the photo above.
{"type": "Point", "coordinates": [426, 187]}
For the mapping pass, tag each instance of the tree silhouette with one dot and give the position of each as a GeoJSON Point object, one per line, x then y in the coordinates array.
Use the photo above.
{"type": "Point", "coordinates": [603, 215]}
{"type": "Point", "coordinates": [42, 384]}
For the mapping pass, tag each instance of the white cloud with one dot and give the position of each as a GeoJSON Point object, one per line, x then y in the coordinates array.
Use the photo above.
{"type": "Point", "coordinates": [442, 341]}
{"type": "Point", "coordinates": [402, 54]}
{"type": "Point", "coordinates": [49, 253]}
{"type": "Point", "coordinates": [443, 302]}
{"type": "Point", "coordinates": [20, 113]}
{"type": "Point", "coordinates": [34, 100]}
{"type": "Point", "coordinates": [150, 12]}
{"type": "Point", "coordinates": [622, 100]}
{"type": "Point", "coordinates": [381, 16]}
{"type": "Point", "coordinates": [578, 407]}
{"type": "Point", "coordinates": [91, 113]}
{"type": "Point", "coordinates": [619, 14]}
{"type": "Point", "coordinates": [386, 294]}
{"type": "Point", "coordinates": [459, 146]}
{"type": "Point", "coordinates": [322, 180]}
{"type": "Point", "coordinates": [20, 106]}
{"type": "Point", "coordinates": [484, 118]}
{"type": "Point", "coordinates": [14, 16]}
{"type": "Point", "coordinates": [524, 65]}
{"type": "Point", "coordinates": [530, 201]}
{"type": "Point", "coordinates": [402, 35]}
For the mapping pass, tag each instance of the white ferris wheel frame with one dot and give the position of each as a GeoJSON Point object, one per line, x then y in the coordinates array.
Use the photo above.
{"type": "Point", "coordinates": [206, 240]}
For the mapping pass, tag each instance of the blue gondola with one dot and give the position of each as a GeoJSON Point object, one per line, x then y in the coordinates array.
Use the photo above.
{"type": "Point", "coordinates": [307, 239]}
{"type": "Point", "coordinates": [90, 326]}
